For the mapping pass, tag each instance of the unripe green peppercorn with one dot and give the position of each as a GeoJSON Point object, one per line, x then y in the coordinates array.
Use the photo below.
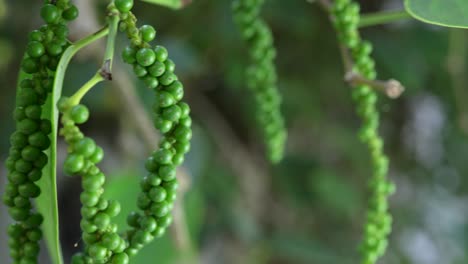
{"type": "Point", "coordinates": [85, 146]}
{"type": "Point", "coordinates": [167, 78]}
{"type": "Point", "coordinates": [30, 153]}
{"type": "Point", "coordinates": [74, 163]}
{"type": "Point", "coordinates": [176, 89]}
{"type": "Point", "coordinates": [39, 140]}
{"type": "Point", "coordinates": [50, 13]}
{"type": "Point", "coordinates": [28, 126]}
{"type": "Point", "coordinates": [129, 55]}
{"type": "Point", "coordinates": [157, 69]}
{"type": "Point", "coordinates": [97, 251]}
{"type": "Point", "coordinates": [79, 114]}
{"type": "Point", "coordinates": [170, 65]}
{"type": "Point", "coordinates": [161, 53]}
{"type": "Point", "coordinates": [33, 112]}
{"type": "Point", "coordinates": [89, 198]}
{"type": "Point", "coordinates": [71, 13]}
{"type": "Point", "coordinates": [121, 258]}
{"type": "Point", "coordinates": [148, 33]}
{"type": "Point", "coordinates": [29, 189]}
{"type": "Point", "coordinates": [157, 194]}
{"type": "Point", "coordinates": [101, 220]}
{"type": "Point", "coordinates": [35, 49]}
{"type": "Point", "coordinates": [167, 172]}
{"type": "Point", "coordinates": [172, 113]}
{"type": "Point", "coordinates": [124, 6]}
{"type": "Point", "coordinates": [145, 57]}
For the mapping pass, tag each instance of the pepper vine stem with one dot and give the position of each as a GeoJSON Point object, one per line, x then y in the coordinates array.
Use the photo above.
{"type": "Point", "coordinates": [383, 17]}
{"type": "Point", "coordinates": [76, 98]}
{"type": "Point", "coordinates": [105, 72]}
{"type": "Point", "coordinates": [114, 18]}
{"type": "Point", "coordinates": [391, 88]}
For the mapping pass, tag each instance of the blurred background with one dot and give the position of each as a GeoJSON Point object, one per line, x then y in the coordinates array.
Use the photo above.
{"type": "Point", "coordinates": [236, 208]}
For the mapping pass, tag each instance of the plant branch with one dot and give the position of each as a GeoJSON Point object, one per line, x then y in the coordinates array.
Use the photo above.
{"type": "Point", "coordinates": [113, 23]}
{"type": "Point", "coordinates": [76, 98]}
{"type": "Point", "coordinates": [383, 17]}
{"type": "Point", "coordinates": [392, 88]}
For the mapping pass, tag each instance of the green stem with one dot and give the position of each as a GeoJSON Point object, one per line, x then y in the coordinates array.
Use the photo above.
{"type": "Point", "coordinates": [383, 18]}
{"type": "Point", "coordinates": [76, 98]}
{"type": "Point", "coordinates": [113, 24]}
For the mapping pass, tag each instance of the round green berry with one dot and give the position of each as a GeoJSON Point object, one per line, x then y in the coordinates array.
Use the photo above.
{"type": "Point", "coordinates": [139, 70]}
{"type": "Point", "coordinates": [172, 113]}
{"type": "Point", "coordinates": [113, 208]}
{"type": "Point", "coordinates": [128, 55]}
{"type": "Point", "coordinates": [28, 126]}
{"type": "Point", "coordinates": [170, 65]}
{"type": "Point", "coordinates": [163, 156]}
{"type": "Point", "coordinates": [40, 140]}
{"type": "Point", "coordinates": [29, 190]}
{"type": "Point", "coordinates": [176, 89]}
{"type": "Point", "coordinates": [29, 66]}
{"type": "Point", "coordinates": [50, 13]}
{"type": "Point", "coordinates": [164, 99]}
{"type": "Point", "coordinates": [33, 112]}
{"type": "Point", "coordinates": [124, 6]}
{"type": "Point", "coordinates": [101, 220]}
{"type": "Point", "coordinates": [30, 153]}
{"type": "Point", "coordinates": [70, 13]}
{"type": "Point", "coordinates": [93, 182]}
{"type": "Point", "coordinates": [148, 33]}
{"type": "Point", "coordinates": [121, 258]}
{"type": "Point", "coordinates": [35, 49]}
{"type": "Point", "coordinates": [89, 199]}
{"type": "Point", "coordinates": [151, 82]}
{"type": "Point", "coordinates": [157, 69]}
{"type": "Point", "coordinates": [79, 114]}
{"type": "Point", "coordinates": [160, 209]}
{"type": "Point", "coordinates": [97, 156]}
{"type": "Point", "coordinates": [36, 35]}
{"type": "Point", "coordinates": [163, 125]}
{"type": "Point", "coordinates": [74, 163]}
{"type": "Point", "coordinates": [145, 57]}
{"type": "Point", "coordinates": [161, 53]}
{"type": "Point", "coordinates": [97, 252]}
{"type": "Point", "coordinates": [157, 194]}
{"type": "Point", "coordinates": [54, 49]}
{"type": "Point", "coordinates": [85, 146]}
{"type": "Point", "coordinates": [167, 172]}
{"type": "Point", "coordinates": [111, 241]}
{"type": "Point", "coordinates": [23, 166]}
{"type": "Point", "coordinates": [167, 78]}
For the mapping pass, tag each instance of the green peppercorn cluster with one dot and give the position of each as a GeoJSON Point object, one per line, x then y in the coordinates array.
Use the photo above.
{"type": "Point", "coordinates": [103, 243]}
{"type": "Point", "coordinates": [378, 224]}
{"type": "Point", "coordinates": [158, 188]}
{"type": "Point", "coordinates": [28, 143]}
{"type": "Point", "coordinates": [261, 74]}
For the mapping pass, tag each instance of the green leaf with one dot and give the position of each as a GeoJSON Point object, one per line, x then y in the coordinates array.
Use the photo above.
{"type": "Point", "coordinates": [174, 4]}
{"type": "Point", "coordinates": [447, 13]}
{"type": "Point", "coordinates": [47, 203]}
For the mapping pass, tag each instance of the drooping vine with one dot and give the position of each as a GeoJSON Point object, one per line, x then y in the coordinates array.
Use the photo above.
{"type": "Point", "coordinates": [103, 243]}
{"type": "Point", "coordinates": [345, 16]}
{"type": "Point", "coordinates": [261, 77]}
{"type": "Point", "coordinates": [26, 157]}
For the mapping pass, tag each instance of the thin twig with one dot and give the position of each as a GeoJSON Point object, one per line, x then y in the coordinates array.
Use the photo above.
{"type": "Point", "coordinates": [392, 88]}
